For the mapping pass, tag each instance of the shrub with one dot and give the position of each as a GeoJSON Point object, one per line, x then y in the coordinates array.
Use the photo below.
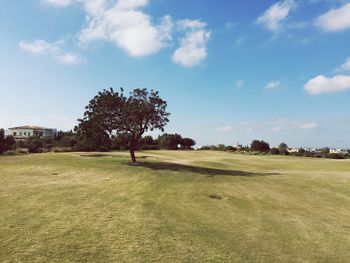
{"type": "Point", "coordinates": [318, 155]}
{"type": "Point", "coordinates": [230, 148]}
{"type": "Point", "coordinates": [335, 156]}
{"type": "Point", "coordinates": [275, 151]}
{"type": "Point", "coordinates": [309, 154]}
{"type": "Point", "coordinates": [284, 152]}
{"type": "Point", "coordinates": [35, 145]}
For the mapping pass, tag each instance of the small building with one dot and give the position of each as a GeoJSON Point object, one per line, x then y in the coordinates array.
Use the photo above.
{"type": "Point", "coordinates": [339, 151]}
{"type": "Point", "coordinates": [293, 150]}
{"type": "Point", "coordinates": [24, 132]}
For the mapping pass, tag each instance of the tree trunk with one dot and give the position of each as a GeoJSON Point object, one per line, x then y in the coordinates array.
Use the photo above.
{"type": "Point", "coordinates": [132, 155]}
{"type": "Point", "coordinates": [132, 151]}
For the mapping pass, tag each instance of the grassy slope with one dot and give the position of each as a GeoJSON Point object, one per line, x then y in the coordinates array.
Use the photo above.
{"type": "Point", "coordinates": [66, 207]}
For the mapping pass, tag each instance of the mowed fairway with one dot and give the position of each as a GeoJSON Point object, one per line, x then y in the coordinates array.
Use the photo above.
{"type": "Point", "coordinates": [82, 207]}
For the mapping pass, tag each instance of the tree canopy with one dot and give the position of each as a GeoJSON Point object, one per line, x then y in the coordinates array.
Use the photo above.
{"type": "Point", "coordinates": [283, 147]}
{"type": "Point", "coordinates": [259, 146]}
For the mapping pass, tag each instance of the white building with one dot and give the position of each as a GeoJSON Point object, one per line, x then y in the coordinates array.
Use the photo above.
{"type": "Point", "coordinates": [293, 150]}
{"type": "Point", "coordinates": [24, 132]}
{"type": "Point", "coordinates": [340, 151]}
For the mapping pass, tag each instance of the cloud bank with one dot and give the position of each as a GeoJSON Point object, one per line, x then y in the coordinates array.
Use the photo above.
{"type": "Point", "coordinates": [124, 24]}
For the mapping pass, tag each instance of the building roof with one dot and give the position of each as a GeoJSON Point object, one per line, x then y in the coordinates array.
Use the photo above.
{"type": "Point", "coordinates": [32, 127]}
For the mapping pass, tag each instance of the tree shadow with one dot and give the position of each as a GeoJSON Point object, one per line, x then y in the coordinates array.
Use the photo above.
{"type": "Point", "coordinates": [211, 172]}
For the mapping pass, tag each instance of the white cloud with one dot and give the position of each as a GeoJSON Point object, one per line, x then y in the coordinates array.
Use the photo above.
{"type": "Point", "coordinates": [335, 19]}
{"type": "Point", "coordinates": [192, 50]}
{"type": "Point", "coordinates": [226, 128]}
{"type": "Point", "coordinates": [53, 49]}
{"type": "Point", "coordinates": [273, 85]}
{"type": "Point", "coordinates": [124, 25]}
{"type": "Point", "coordinates": [39, 46]}
{"type": "Point", "coordinates": [59, 3]}
{"type": "Point", "coordinates": [345, 66]}
{"type": "Point", "coordinates": [308, 126]}
{"type": "Point", "coordinates": [322, 84]}
{"type": "Point", "coordinates": [274, 16]}
{"type": "Point", "coordinates": [69, 59]}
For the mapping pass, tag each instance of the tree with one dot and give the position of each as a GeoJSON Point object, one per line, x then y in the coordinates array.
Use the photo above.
{"type": "Point", "coordinates": [133, 115]}
{"type": "Point", "coordinates": [283, 147]}
{"type": "Point", "coordinates": [148, 143]}
{"type": "Point", "coordinates": [35, 144]}
{"type": "Point", "coordinates": [92, 137]}
{"type": "Point", "coordinates": [10, 142]}
{"type": "Point", "coordinates": [255, 145]}
{"type": "Point", "coordinates": [169, 141]}
{"type": "Point", "coordinates": [2, 141]}
{"type": "Point", "coordinates": [325, 150]}
{"type": "Point", "coordinates": [301, 150]}
{"type": "Point", "coordinates": [259, 146]}
{"type": "Point", "coordinates": [187, 143]}
{"type": "Point", "coordinates": [65, 139]}
{"type": "Point", "coordinates": [6, 143]}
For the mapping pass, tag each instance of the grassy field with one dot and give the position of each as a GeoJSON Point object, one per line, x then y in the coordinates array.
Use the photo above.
{"type": "Point", "coordinates": [173, 207]}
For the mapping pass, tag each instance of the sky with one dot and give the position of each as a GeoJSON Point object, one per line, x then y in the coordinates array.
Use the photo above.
{"type": "Point", "coordinates": [231, 71]}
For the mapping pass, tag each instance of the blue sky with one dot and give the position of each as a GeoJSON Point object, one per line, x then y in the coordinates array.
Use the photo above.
{"type": "Point", "coordinates": [231, 71]}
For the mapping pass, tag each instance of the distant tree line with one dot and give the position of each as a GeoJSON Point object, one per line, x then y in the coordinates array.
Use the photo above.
{"type": "Point", "coordinates": [72, 141]}
{"type": "Point", "coordinates": [262, 147]}
{"type": "Point", "coordinates": [122, 141]}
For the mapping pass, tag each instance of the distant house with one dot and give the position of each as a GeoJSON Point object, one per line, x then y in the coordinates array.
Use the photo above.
{"type": "Point", "coordinates": [23, 132]}
{"type": "Point", "coordinates": [293, 150]}
{"type": "Point", "coordinates": [339, 151]}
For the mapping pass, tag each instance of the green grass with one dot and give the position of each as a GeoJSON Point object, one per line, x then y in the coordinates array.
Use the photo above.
{"type": "Point", "coordinates": [173, 207]}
